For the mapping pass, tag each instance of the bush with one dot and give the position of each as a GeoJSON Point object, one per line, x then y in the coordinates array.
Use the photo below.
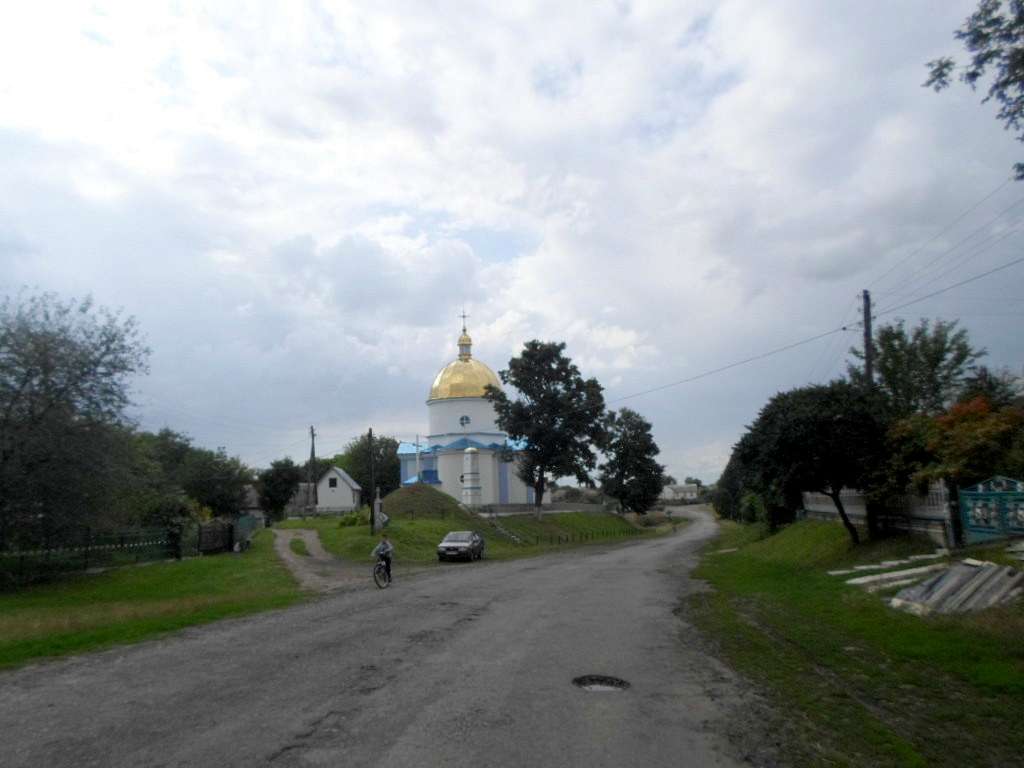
{"type": "Point", "coordinates": [356, 517]}
{"type": "Point", "coordinates": [752, 508]}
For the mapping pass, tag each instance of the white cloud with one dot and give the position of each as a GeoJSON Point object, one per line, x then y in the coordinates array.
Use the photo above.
{"type": "Point", "coordinates": [298, 203]}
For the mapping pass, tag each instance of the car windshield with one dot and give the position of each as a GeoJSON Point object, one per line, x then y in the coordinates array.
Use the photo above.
{"type": "Point", "coordinates": [458, 536]}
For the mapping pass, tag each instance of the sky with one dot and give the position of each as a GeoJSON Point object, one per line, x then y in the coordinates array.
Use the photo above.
{"type": "Point", "coordinates": [297, 200]}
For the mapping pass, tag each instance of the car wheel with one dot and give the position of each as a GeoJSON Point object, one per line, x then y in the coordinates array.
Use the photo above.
{"type": "Point", "coordinates": [440, 559]}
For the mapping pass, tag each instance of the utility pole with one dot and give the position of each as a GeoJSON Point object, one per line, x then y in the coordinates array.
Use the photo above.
{"type": "Point", "coordinates": [311, 486]}
{"type": "Point", "coordinates": [370, 496]}
{"type": "Point", "coordinates": [869, 347]}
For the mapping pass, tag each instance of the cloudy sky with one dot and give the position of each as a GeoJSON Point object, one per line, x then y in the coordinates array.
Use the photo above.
{"type": "Point", "coordinates": [297, 199]}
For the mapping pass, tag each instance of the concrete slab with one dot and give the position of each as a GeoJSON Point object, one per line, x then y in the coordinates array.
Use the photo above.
{"type": "Point", "coordinates": [891, 584]}
{"type": "Point", "coordinates": [894, 575]}
{"type": "Point", "coordinates": [970, 585]}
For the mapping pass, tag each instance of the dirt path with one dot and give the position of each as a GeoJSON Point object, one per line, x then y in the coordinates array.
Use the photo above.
{"type": "Point", "coordinates": [320, 571]}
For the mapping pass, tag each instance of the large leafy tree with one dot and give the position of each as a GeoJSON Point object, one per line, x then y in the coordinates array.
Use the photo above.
{"type": "Point", "coordinates": [65, 371]}
{"type": "Point", "coordinates": [921, 370]}
{"type": "Point", "coordinates": [631, 473]}
{"type": "Point", "coordinates": [277, 485]}
{"type": "Point", "coordinates": [387, 472]}
{"type": "Point", "coordinates": [216, 480]}
{"type": "Point", "coordinates": [999, 388]}
{"type": "Point", "coordinates": [820, 438]}
{"type": "Point", "coordinates": [557, 413]}
{"type": "Point", "coordinates": [994, 37]}
{"type": "Point", "coordinates": [973, 441]}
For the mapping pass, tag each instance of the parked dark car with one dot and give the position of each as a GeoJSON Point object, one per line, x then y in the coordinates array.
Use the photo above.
{"type": "Point", "coordinates": [461, 545]}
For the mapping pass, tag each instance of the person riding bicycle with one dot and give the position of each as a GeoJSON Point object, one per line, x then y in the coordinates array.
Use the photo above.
{"type": "Point", "coordinates": [383, 551]}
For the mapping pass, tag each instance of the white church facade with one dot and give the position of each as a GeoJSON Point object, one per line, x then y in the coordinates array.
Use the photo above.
{"type": "Point", "coordinates": [465, 454]}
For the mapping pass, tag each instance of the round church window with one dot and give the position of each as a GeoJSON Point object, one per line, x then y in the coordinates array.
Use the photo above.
{"type": "Point", "coordinates": [464, 420]}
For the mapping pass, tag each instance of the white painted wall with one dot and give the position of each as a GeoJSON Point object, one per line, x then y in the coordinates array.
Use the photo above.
{"type": "Point", "coordinates": [444, 418]}
{"type": "Point", "coordinates": [342, 498]}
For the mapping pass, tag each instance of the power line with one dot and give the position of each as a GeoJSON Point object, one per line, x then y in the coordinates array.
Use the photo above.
{"type": "Point", "coordinates": [992, 241]}
{"type": "Point", "coordinates": [921, 270]}
{"type": "Point", "coordinates": [939, 234]}
{"type": "Point", "coordinates": [1009, 264]}
{"type": "Point", "coordinates": [736, 364]}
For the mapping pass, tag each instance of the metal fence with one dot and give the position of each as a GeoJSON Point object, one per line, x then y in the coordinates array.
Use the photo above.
{"type": "Point", "coordinates": [84, 549]}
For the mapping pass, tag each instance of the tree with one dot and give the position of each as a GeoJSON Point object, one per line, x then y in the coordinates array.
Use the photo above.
{"type": "Point", "coordinates": [277, 485]}
{"type": "Point", "coordinates": [974, 441]}
{"type": "Point", "coordinates": [631, 474]}
{"type": "Point", "coordinates": [693, 481]}
{"type": "Point", "coordinates": [994, 36]}
{"type": "Point", "coordinates": [558, 413]}
{"type": "Point", "coordinates": [65, 369]}
{"type": "Point", "coordinates": [921, 371]}
{"type": "Point", "coordinates": [668, 480]}
{"type": "Point", "coordinates": [820, 438]}
{"type": "Point", "coordinates": [387, 470]}
{"type": "Point", "coordinates": [728, 493]}
{"type": "Point", "coordinates": [216, 480]}
{"type": "Point", "coordinates": [999, 388]}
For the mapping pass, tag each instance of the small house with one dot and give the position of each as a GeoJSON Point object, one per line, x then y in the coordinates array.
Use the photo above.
{"type": "Point", "coordinates": [336, 492]}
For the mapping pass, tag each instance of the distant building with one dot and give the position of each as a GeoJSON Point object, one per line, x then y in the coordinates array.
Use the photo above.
{"type": "Point", "coordinates": [465, 454]}
{"type": "Point", "coordinates": [689, 492]}
{"type": "Point", "coordinates": [336, 491]}
{"type": "Point", "coordinates": [333, 493]}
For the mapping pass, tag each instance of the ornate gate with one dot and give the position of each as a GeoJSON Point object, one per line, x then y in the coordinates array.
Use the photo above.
{"type": "Point", "coordinates": [992, 510]}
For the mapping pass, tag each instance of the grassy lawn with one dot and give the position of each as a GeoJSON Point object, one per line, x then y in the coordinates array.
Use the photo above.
{"type": "Point", "coordinates": [298, 546]}
{"type": "Point", "coordinates": [131, 604]}
{"type": "Point", "coordinates": [416, 539]}
{"type": "Point", "coordinates": [858, 682]}
{"type": "Point", "coordinates": [421, 516]}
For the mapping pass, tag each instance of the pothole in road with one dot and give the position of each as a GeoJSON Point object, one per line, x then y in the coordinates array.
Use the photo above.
{"type": "Point", "coordinates": [600, 683]}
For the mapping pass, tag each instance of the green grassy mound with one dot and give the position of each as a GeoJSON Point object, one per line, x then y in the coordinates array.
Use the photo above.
{"type": "Point", "coordinates": [568, 527]}
{"type": "Point", "coordinates": [860, 683]}
{"type": "Point", "coordinates": [421, 501]}
{"type": "Point", "coordinates": [131, 604]}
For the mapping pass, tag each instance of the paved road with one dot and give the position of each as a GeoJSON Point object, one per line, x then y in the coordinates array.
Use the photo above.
{"type": "Point", "coordinates": [465, 665]}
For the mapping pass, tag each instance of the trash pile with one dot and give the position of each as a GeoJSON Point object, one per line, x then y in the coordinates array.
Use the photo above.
{"type": "Point", "coordinates": [969, 585]}
{"type": "Point", "coordinates": [942, 587]}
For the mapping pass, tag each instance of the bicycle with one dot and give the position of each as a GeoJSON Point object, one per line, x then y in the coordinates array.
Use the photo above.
{"type": "Point", "coordinates": [380, 574]}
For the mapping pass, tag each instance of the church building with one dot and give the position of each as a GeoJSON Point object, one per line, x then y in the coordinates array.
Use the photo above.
{"type": "Point", "coordinates": [465, 455]}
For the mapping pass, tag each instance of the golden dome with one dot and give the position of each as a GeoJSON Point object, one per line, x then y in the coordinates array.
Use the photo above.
{"type": "Point", "coordinates": [464, 377]}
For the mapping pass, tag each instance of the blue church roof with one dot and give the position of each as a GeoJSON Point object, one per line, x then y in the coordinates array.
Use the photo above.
{"type": "Point", "coordinates": [409, 449]}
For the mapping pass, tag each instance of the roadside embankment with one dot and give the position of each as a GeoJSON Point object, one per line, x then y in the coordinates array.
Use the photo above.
{"type": "Point", "coordinates": [128, 605]}
{"type": "Point", "coordinates": [863, 684]}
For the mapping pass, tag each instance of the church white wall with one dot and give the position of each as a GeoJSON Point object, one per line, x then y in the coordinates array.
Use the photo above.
{"type": "Point", "coordinates": [488, 477]}
{"type": "Point", "coordinates": [444, 418]}
{"type": "Point", "coordinates": [449, 469]}
{"type": "Point", "coordinates": [517, 489]}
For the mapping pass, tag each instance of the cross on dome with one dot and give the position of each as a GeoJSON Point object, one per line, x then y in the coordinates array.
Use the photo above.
{"type": "Point", "coordinates": [465, 343]}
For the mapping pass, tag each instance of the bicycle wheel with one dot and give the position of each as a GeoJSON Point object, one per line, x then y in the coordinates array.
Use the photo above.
{"type": "Point", "coordinates": [380, 576]}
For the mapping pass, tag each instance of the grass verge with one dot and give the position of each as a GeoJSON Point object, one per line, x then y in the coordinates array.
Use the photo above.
{"type": "Point", "coordinates": [860, 683]}
{"type": "Point", "coordinates": [298, 546]}
{"type": "Point", "coordinates": [127, 605]}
